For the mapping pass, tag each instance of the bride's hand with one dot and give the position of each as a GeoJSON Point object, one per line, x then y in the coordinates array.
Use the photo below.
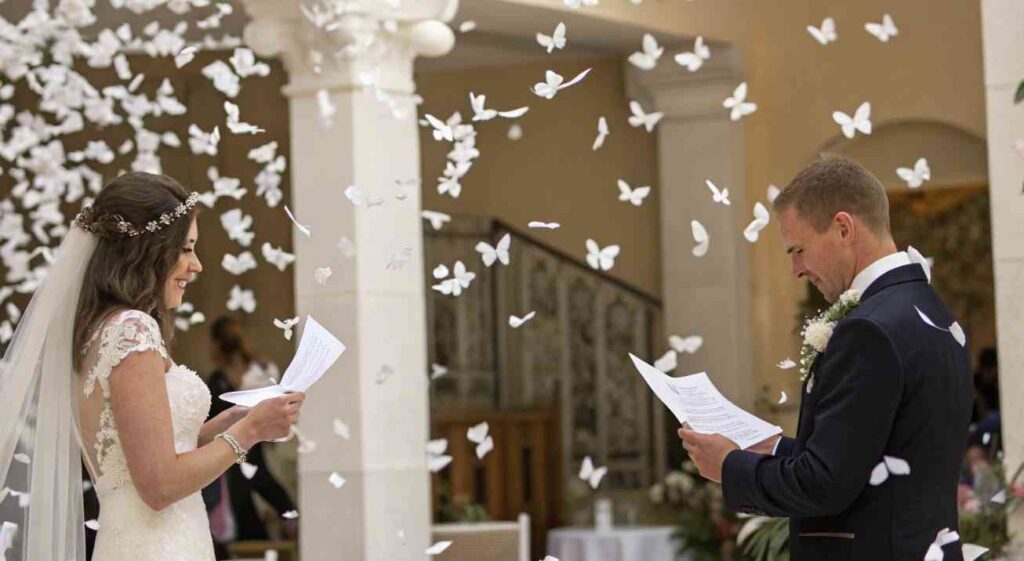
{"type": "Point", "coordinates": [272, 418]}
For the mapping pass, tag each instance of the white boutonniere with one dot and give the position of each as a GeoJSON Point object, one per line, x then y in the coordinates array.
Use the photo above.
{"type": "Point", "coordinates": [818, 330]}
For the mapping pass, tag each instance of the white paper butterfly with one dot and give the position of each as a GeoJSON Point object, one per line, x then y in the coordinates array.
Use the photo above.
{"type": "Point", "coordinates": [602, 132]}
{"type": "Point", "coordinates": [481, 113]}
{"type": "Point", "coordinates": [287, 325]}
{"type": "Point", "coordinates": [642, 118]}
{"type": "Point", "coordinates": [240, 264]}
{"type": "Point", "coordinates": [201, 142]}
{"type": "Point", "coordinates": [720, 195]}
{"type": "Point", "coordinates": [354, 195]}
{"type": "Point", "coordinates": [647, 58]}
{"type": "Point", "coordinates": [916, 176]}
{"type": "Point", "coordinates": [336, 480]}
{"type": "Point", "coordinates": [690, 344]}
{"type": "Point", "coordinates": [601, 259]}
{"type": "Point", "coordinates": [884, 30]}
{"type": "Point", "coordinates": [237, 226]}
{"type": "Point", "coordinates": [668, 362]}
{"type": "Point", "coordinates": [787, 364]}
{"type": "Point", "coordinates": [441, 130]}
{"type": "Point", "coordinates": [692, 61]}
{"type": "Point", "coordinates": [276, 256]}
{"type": "Point", "coordinates": [241, 299]}
{"type": "Point", "coordinates": [554, 41]}
{"type": "Point", "coordinates": [515, 321]}
{"type": "Point", "coordinates": [398, 259]}
{"type": "Point", "coordinates": [437, 371]}
{"type": "Point", "coordinates": [490, 254]}
{"type": "Point", "coordinates": [634, 197]}
{"type": "Point", "coordinates": [942, 539]}
{"type": "Point", "coordinates": [925, 263]}
{"type": "Point", "coordinates": [449, 185]}
{"type": "Point", "coordinates": [185, 56]}
{"type": "Point", "coordinates": [478, 435]}
{"type": "Point", "coordinates": [700, 235]}
{"type": "Point", "coordinates": [861, 120]}
{"type": "Point", "coordinates": [826, 33]}
{"type": "Point", "coordinates": [341, 429]}
{"type": "Point", "coordinates": [301, 227]}
{"type": "Point", "coordinates": [322, 274]}
{"type": "Point", "coordinates": [437, 219]}
{"type": "Point", "coordinates": [544, 225]}
{"type": "Point", "coordinates": [738, 104]}
{"type": "Point", "coordinates": [461, 280]}
{"type": "Point", "coordinates": [954, 329]}
{"type": "Point", "coordinates": [888, 466]}
{"type": "Point", "coordinates": [234, 124]}
{"type": "Point", "coordinates": [576, 4]}
{"type": "Point", "coordinates": [761, 219]}
{"type": "Point", "coordinates": [438, 548]}
{"type": "Point", "coordinates": [590, 474]}
{"type": "Point", "coordinates": [437, 457]}
{"type": "Point", "coordinates": [773, 192]}
{"type": "Point", "coordinates": [553, 82]}
{"type": "Point", "coordinates": [244, 61]}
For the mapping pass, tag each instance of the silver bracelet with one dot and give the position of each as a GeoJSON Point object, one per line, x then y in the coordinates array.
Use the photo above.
{"type": "Point", "coordinates": [240, 453]}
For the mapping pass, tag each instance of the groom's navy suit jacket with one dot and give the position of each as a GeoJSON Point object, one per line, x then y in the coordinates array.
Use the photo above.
{"type": "Point", "coordinates": [886, 384]}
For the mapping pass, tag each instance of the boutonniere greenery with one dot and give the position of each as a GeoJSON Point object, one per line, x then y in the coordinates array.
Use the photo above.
{"type": "Point", "coordinates": [818, 330]}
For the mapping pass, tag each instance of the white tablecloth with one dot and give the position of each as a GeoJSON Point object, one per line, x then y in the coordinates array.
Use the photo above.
{"type": "Point", "coordinates": [631, 543]}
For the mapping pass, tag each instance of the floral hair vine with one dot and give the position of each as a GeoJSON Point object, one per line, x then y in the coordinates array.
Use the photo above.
{"type": "Point", "coordinates": [86, 219]}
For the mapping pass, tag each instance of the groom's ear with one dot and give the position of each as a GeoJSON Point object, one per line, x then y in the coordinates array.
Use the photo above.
{"type": "Point", "coordinates": [846, 226]}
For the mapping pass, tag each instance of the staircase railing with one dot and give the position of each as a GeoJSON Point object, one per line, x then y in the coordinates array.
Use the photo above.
{"type": "Point", "coordinates": [571, 357]}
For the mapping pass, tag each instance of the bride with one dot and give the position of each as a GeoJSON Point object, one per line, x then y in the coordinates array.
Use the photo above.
{"type": "Point", "coordinates": [88, 370]}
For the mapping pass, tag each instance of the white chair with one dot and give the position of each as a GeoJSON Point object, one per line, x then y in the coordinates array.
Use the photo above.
{"type": "Point", "coordinates": [494, 541]}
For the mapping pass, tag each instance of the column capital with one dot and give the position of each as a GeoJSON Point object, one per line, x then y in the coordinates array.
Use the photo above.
{"type": "Point", "coordinates": [682, 94]}
{"type": "Point", "coordinates": [349, 45]}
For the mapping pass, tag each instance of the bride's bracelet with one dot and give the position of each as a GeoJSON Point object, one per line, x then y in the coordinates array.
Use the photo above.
{"type": "Point", "coordinates": [240, 453]}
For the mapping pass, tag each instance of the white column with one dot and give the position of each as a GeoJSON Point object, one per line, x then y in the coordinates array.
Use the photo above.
{"type": "Point", "coordinates": [710, 295]}
{"type": "Point", "coordinates": [365, 65]}
{"type": "Point", "coordinates": [1002, 25]}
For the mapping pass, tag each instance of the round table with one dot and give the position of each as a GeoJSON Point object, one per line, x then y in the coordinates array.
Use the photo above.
{"type": "Point", "coordinates": [630, 543]}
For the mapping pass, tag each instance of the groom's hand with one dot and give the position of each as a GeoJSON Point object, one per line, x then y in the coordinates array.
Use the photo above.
{"type": "Point", "coordinates": [708, 452]}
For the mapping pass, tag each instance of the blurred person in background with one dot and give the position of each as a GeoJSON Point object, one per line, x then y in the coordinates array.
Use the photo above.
{"type": "Point", "coordinates": [229, 499]}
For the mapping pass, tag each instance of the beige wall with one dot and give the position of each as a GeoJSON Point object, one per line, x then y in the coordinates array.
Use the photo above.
{"type": "Point", "coordinates": [931, 72]}
{"type": "Point", "coordinates": [552, 173]}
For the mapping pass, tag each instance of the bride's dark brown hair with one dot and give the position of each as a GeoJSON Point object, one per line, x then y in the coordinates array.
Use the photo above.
{"type": "Point", "coordinates": [129, 272]}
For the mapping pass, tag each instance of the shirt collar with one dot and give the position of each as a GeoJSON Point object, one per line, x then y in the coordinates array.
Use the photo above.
{"type": "Point", "coordinates": [872, 272]}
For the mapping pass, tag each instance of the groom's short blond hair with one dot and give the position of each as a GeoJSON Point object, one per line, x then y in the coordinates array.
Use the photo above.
{"type": "Point", "coordinates": [833, 184]}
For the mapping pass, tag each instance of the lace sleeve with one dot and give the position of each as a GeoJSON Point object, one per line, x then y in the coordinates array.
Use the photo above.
{"type": "Point", "coordinates": [131, 331]}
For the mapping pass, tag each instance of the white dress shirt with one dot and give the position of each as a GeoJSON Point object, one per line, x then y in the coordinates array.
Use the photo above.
{"type": "Point", "coordinates": [867, 277]}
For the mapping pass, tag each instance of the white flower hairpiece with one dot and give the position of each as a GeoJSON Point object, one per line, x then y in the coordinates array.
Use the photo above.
{"type": "Point", "coordinates": [86, 219]}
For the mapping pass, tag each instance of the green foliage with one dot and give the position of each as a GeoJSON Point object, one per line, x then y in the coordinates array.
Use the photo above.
{"type": "Point", "coordinates": [1019, 96]}
{"type": "Point", "coordinates": [459, 509]}
{"type": "Point", "coordinates": [769, 542]}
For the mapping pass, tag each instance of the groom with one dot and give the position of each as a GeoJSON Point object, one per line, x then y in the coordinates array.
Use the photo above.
{"type": "Point", "coordinates": [886, 383]}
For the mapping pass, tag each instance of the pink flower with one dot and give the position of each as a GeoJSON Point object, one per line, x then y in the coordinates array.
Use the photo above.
{"type": "Point", "coordinates": [1018, 490]}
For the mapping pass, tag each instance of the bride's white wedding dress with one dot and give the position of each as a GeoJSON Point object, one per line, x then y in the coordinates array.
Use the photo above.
{"type": "Point", "coordinates": [128, 528]}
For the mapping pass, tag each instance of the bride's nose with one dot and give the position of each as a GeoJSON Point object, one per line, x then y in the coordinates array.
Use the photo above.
{"type": "Point", "coordinates": [195, 266]}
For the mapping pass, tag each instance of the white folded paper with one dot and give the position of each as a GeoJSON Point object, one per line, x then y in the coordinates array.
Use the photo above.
{"type": "Point", "coordinates": [318, 350]}
{"type": "Point", "coordinates": [695, 401]}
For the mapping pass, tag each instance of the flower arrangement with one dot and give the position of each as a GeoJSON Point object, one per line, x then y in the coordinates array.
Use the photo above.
{"type": "Point", "coordinates": [818, 330]}
{"type": "Point", "coordinates": [985, 505]}
{"type": "Point", "coordinates": [706, 529]}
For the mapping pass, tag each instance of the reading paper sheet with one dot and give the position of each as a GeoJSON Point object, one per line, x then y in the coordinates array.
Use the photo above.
{"type": "Point", "coordinates": [694, 400]}
{"type": "Point", "coordinates": [318, 350]}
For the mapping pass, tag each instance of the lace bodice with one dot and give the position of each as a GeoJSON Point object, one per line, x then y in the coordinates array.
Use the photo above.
{"type": "Point", "coordinates": [128, 528]}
